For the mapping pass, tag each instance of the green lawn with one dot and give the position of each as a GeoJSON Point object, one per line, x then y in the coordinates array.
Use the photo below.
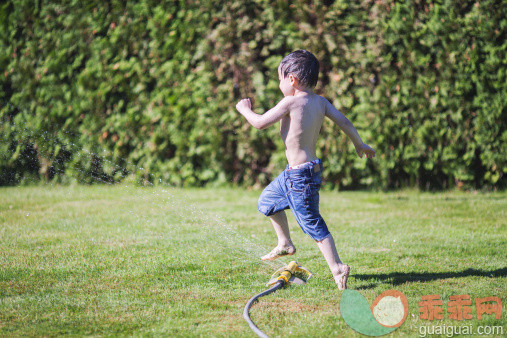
{"type": "Point", "coordinates": [108, 260]}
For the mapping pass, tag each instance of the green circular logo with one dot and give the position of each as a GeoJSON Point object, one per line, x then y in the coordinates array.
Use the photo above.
{"type": "Point", "coordinates": [386, 314]}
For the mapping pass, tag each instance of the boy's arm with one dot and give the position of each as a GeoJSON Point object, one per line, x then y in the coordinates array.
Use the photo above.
{"type": "Point", "coordinates": [348, 128]}
{"type": "Point", "coordinates": [268, 118]}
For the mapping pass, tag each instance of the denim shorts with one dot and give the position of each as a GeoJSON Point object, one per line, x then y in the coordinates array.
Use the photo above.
{"type": "Point", "coordinates": [297, 189]}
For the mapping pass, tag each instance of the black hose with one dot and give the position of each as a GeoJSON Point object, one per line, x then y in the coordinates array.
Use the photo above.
{"type": "Point", "coordinates": [246, 315]}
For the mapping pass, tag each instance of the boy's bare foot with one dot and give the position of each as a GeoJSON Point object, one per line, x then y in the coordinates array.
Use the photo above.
{"type": "Point", "coordinates": [279, 251]}
{"type": "Point", "coordinates": [341, 278]}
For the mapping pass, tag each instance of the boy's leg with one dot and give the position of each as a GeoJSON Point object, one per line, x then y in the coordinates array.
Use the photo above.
{"type": "Point", "coordinates": [339, 270]}
{"type": "Point", "coordinates": [285, 246]}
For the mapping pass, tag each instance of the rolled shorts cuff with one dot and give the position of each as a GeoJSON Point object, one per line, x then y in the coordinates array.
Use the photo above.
{"type": "Point", "coordinates": [270, 211]}
{"type": "Point", "coordinates": [321, 238]}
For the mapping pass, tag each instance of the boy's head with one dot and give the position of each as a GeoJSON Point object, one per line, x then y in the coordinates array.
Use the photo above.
{"type": "Point", "coordinates": [303, 65]}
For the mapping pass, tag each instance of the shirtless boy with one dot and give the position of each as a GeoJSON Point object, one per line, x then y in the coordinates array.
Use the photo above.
{"type": "Point", "coordinates": [301, 113]}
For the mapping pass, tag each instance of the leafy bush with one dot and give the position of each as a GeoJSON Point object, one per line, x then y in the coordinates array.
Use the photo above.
{"type": "Point", "coordinates": [145, 90]}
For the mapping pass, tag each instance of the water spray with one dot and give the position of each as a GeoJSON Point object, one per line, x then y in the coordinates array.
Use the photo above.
{"type": "Point", "coordinates": [292, 273]}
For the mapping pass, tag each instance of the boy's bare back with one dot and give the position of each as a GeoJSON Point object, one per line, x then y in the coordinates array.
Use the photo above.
{"type": "Point", "coordinates": [300, 127]}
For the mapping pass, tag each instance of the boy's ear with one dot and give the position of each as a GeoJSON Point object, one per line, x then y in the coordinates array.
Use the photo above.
{"type": "Point", "coordinates": [293, 80]}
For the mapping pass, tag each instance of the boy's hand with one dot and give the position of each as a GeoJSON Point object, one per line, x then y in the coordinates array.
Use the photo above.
{"type": "Point", "coordinates": [243, 104]}
{"type": "Point", "coordinates": [365, 149]}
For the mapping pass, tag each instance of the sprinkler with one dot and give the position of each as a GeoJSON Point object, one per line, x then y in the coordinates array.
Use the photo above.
{"type": "Point", "coordinates": [292, 273]}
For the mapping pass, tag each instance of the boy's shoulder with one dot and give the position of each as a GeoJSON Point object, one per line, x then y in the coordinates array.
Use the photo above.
{"type": "Point", "coordinates": [313, 98]}
{"type": "Point", "coordinates": [307, 100]}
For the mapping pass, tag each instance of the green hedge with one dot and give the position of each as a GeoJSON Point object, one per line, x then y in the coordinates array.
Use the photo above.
{"type": "Point", "coordinates": [145, 90]}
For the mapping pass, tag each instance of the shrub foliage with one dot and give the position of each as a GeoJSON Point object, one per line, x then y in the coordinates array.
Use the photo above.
{"type": "Point", "coordinates": [104, 90]}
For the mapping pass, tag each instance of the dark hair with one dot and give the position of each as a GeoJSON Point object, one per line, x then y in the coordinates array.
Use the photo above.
{"type": "Point", "coordinates": [303, 65]}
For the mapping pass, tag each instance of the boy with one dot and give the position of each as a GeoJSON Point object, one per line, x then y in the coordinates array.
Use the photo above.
{"type": "Point", "coordinates": [301, 113]}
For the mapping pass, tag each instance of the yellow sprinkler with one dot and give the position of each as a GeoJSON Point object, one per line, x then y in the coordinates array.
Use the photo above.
{"type": "Point", "coordinates": [292, 273]}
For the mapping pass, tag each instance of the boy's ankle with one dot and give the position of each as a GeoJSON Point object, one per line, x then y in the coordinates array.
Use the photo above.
{"type": "Point", "coordinates": [285, 244]}
{"type": "Point", "coordinates": [279, 251]}
{"type": "Point", "coordinates": [342, 277]}
{"type": "Point", "coordinates": [339, 269]}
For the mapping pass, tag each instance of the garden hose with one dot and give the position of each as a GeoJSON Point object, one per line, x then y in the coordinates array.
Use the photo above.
{"type": "Point", "coordinates": [246, 314]}
{"type": "Point", "coordinates": [279, 279]}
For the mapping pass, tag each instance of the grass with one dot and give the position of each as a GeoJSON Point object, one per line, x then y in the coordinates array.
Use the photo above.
{"type": "Point", "coordinates": [105, 260]}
